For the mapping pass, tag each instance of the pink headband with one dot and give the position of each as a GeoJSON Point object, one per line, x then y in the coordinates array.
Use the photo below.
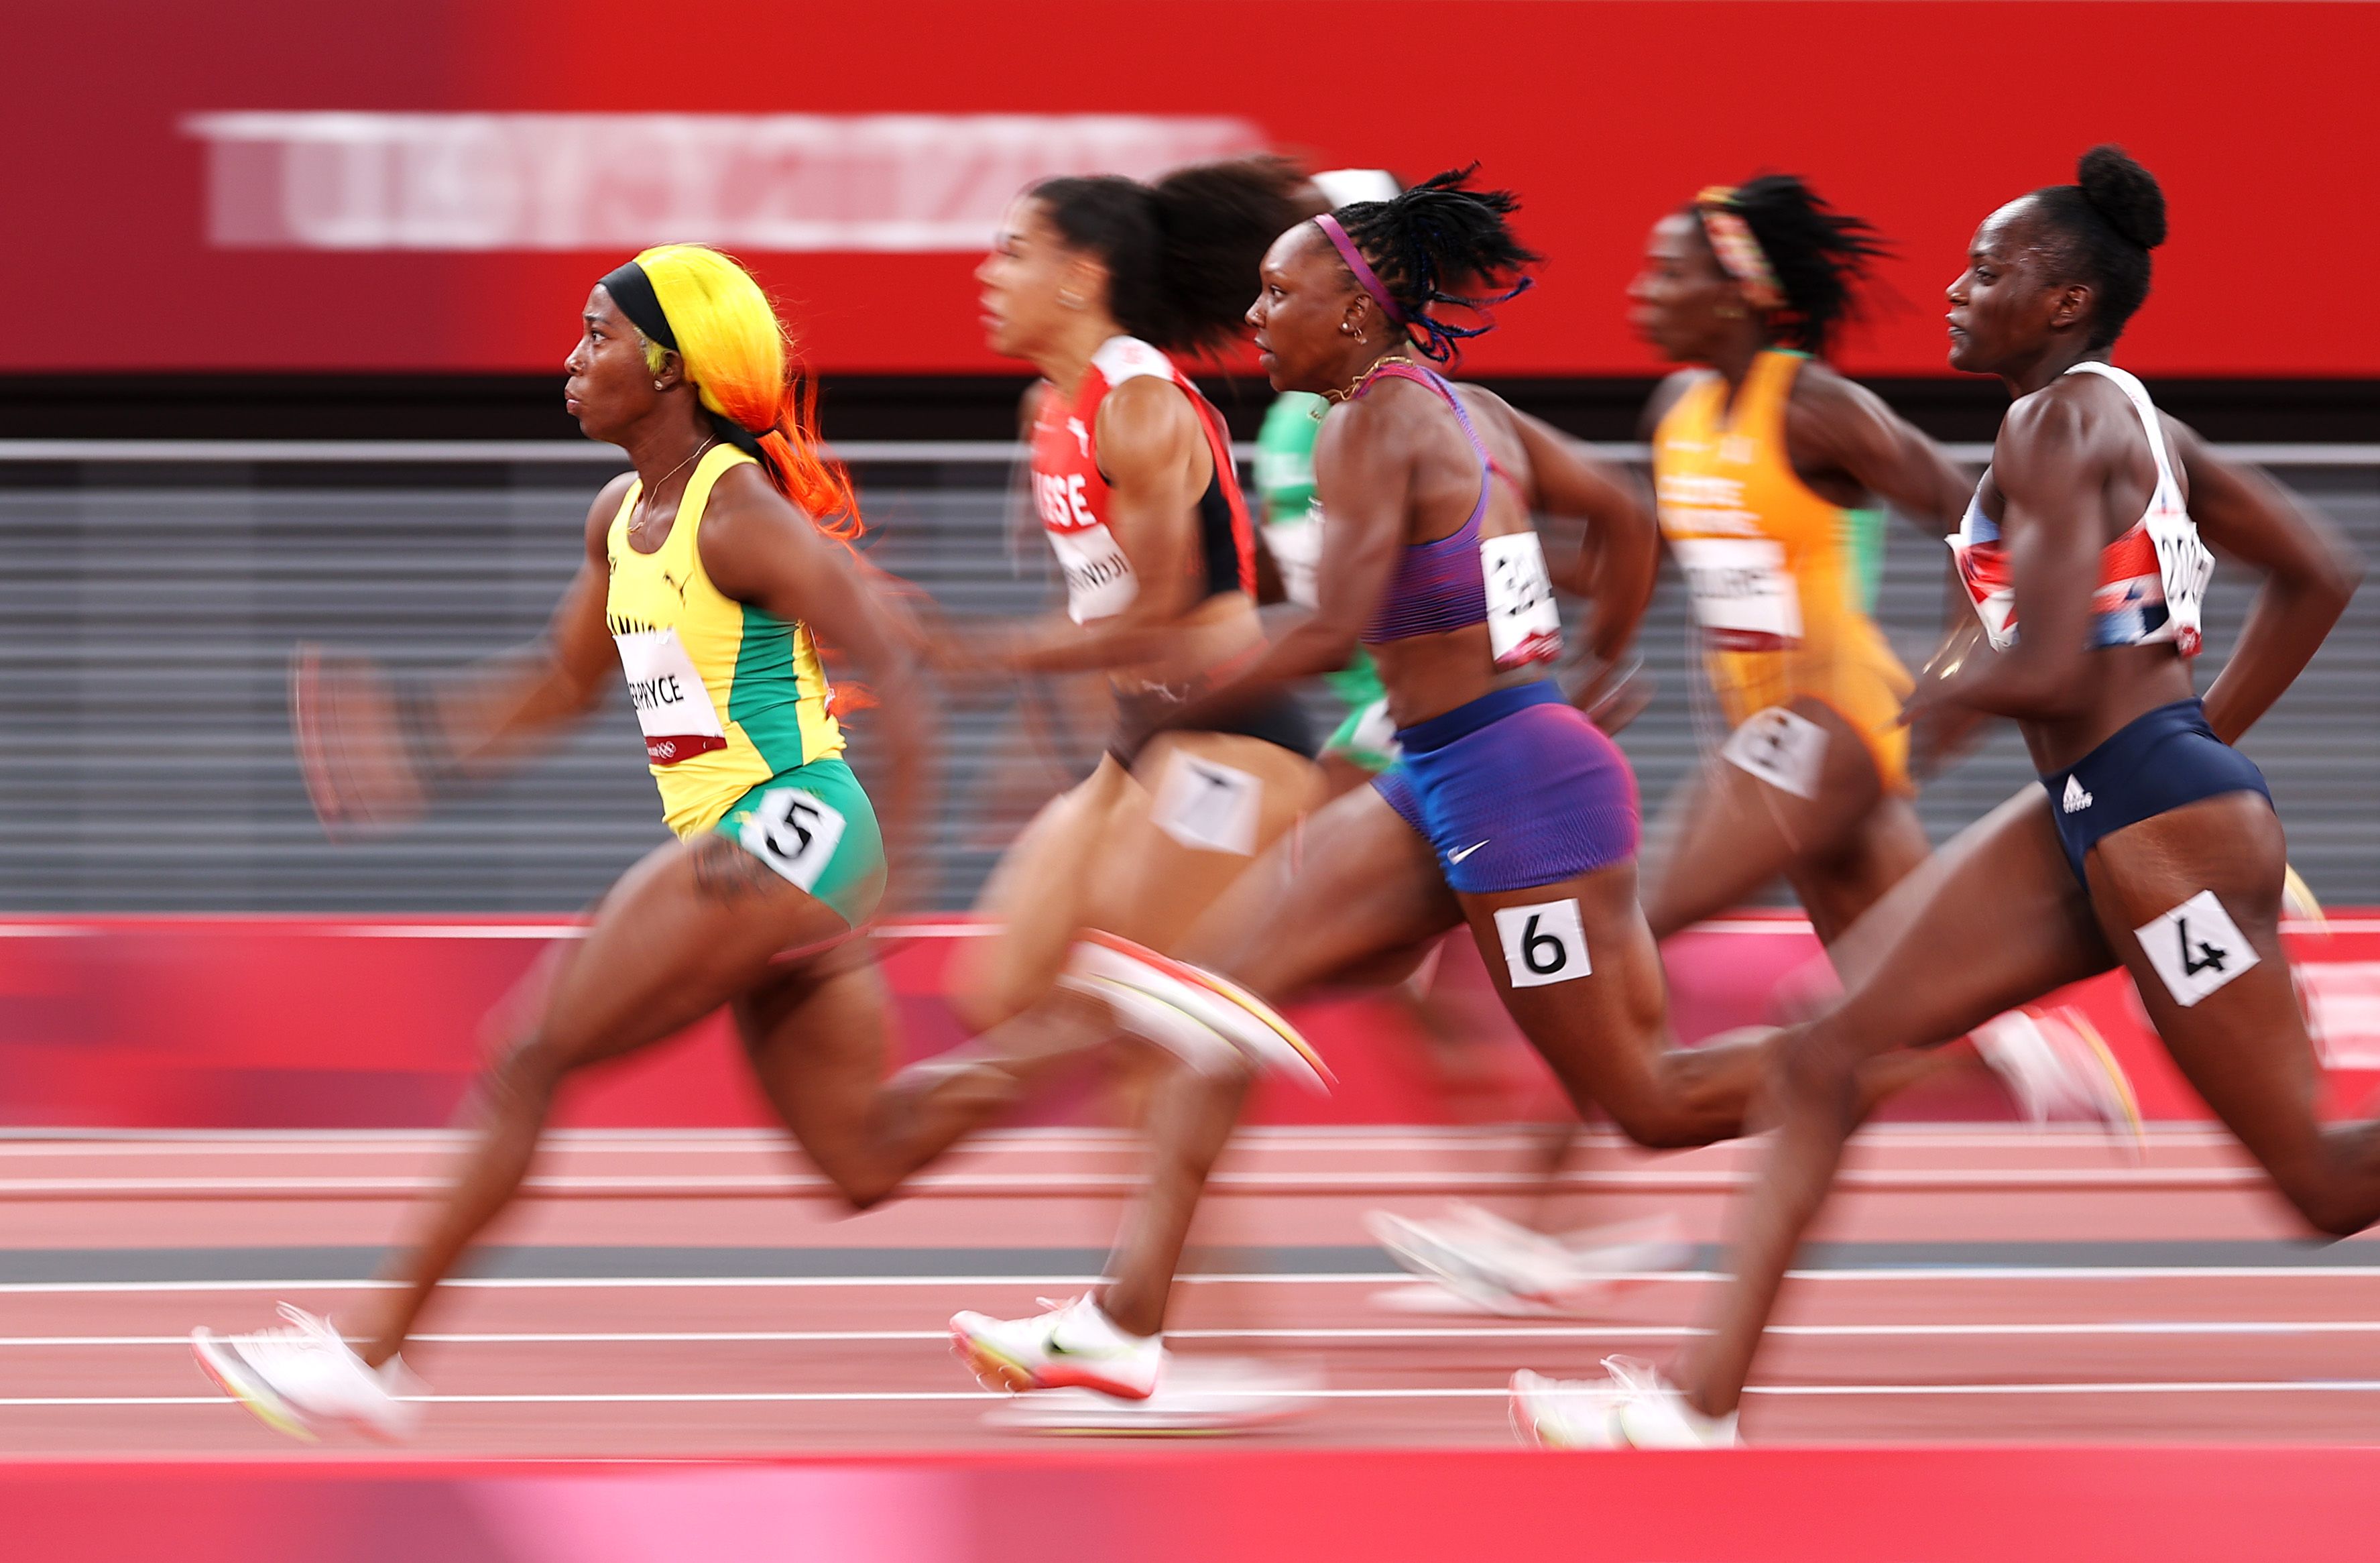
{"type": "Point", "coordinates": [1355, 258]}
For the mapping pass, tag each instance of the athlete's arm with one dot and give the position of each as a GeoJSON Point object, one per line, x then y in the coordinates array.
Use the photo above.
{"type": "Point", "coordinates": [1621, 552]}
{"type": "Point", "coordinates": [1834, 424]}
{"type": "Point", "coordinates": [491, 714]}
{"type": "Point", "coordinates": [2046, 472]}
{"type": "Point", "coordinates": [1363, 463]}
{"type": "Point", "coordinates": [1153, 452]}
{"type": "Point", "coordinates": [2309, 572]}
{"type": "Point", "coordinates": [758, 549]}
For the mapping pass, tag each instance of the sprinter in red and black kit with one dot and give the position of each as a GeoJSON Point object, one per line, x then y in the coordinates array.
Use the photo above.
{"type": "Point", "coordinates": [1095, 282]}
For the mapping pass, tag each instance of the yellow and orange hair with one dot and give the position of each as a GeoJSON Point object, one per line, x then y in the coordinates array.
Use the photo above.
{"type": "Point", "coordinates": [739, 356]}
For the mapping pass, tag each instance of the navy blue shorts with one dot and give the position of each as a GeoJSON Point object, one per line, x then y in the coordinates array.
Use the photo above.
{"type": "Point", "coordinates": [1514, 790]}
{"type": "Point", "coordinates": [2151, 765]}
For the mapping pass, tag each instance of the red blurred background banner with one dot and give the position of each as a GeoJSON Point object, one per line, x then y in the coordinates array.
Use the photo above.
{"type": "Point", "coordinates": [2259, 117]}
{"type": "Point", "coordinates": [294, 1022]}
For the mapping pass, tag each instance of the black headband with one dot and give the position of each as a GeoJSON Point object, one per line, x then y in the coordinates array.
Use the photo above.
{"type": "Point", "coordinates": [632, 290]}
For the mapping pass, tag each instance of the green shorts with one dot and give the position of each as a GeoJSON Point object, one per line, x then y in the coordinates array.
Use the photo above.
{"type": "Point", "coordinates": [815, 825]}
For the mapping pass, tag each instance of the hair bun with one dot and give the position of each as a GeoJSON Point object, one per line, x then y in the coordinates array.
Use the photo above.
{"type": "Point", "coordinates": [2124, 193]}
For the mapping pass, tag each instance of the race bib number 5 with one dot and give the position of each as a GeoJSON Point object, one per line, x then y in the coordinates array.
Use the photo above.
{"type": "Point", "coordinates": [793, 832]}
{"type": "Point", "coordinates": [1543, 943]}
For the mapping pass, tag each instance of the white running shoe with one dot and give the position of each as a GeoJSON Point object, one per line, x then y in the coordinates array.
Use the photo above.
{"type": "Point", "coordinates": [1635, 1407]}
{"type": "Point", "coordinates": [1068, 1345]}
{"type": "Point", "coordinates": [1507, 1269]}
{"type": "Point", "coordinates": [1197, 1395]}
{"type": "Point", "coordinates": [1565, 1414]}
{"type": "Point", "coordinates": [1100, 963]}
{"type": "Point", "coordinates": [303, 1377]}
{"type": "Point", "coordinates": [1653, 1414]}
{"type": "Point", "coordinates": [2056, 1066]}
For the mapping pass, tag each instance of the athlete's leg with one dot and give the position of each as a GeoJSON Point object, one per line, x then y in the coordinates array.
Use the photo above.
{"type": "Point", "coordinates": [1726, 832]}
{"type": "Point", "coordinates": [1035, 901]}
{"type": "Point", "coordinates": [2241, 1040]}
{"type": "Point", "coordinates": [685, 930]}
{"type": "Point", "coordinates": [1994, 921]}
{"type": "Point", "coordinates": [1215, 803]}
{"type": "Point", "coordinates": [816, 1040]}
{"type": "Point", "coordinates": [1357, 881]}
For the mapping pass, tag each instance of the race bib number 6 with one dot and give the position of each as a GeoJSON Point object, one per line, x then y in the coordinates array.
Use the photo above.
{"type": "Point", "coordinates": [1543, 943]}
{"type": "Point", "coordinates": [793, 832]}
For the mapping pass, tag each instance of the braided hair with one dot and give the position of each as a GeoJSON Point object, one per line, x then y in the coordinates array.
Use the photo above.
{"type": "Point", "coordinates": [1435, 238]}
{"type": "Point", "coordinates": [1182, 253]}
{"type": "Point", "coordinates": [2102, 229]}
{"type": "Point", "coordinates": [1819, 255]}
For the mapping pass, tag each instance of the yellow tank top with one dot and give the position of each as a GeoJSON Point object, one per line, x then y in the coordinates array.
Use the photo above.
{"type": "Point", "coordinates": [1782, 580]}
{"type": "Point", "coordinates": [728, 696]}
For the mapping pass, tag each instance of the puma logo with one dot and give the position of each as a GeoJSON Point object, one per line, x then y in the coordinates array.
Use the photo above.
{"type": "Point", "coordinates": [1082, 435]}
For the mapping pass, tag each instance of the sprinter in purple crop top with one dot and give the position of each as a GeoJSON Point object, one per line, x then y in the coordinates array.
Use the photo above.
{"type": "Point", "coordinates": [1510, 812]}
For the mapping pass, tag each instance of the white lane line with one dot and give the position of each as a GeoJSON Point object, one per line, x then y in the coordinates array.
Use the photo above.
{"type": "Point", "coordinates": [2233, 1327]}
{"type": "Point", "coordinates": [1465, 1392]}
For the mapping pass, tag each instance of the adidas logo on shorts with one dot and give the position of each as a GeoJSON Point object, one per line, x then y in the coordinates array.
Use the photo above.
{"type": "Point", "coordinates": [2076, 800]}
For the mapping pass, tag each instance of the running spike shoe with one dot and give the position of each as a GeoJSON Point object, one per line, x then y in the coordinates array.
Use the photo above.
{"type": "Point", "coordinates": [1505, 1268]}
{"type": "Point", "coordinates": [1565, 1414]}
{"type": "Point", "coordinates": [1218, 1005]}
{"type": "Point", "coordinates": [1071, 1344]}
{"type": "Point", "coordinates": [2057, 1066]}
{"type": "Point", "coordinates": [1197, 1395]}
{"type": "Point", "coordinates": [301, 1378]}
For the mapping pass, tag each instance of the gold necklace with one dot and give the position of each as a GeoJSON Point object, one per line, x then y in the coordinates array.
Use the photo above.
{"type": "Point", "coordinates": [637, 521]}
{"type": "Point", "coordinates": [1352, 392]}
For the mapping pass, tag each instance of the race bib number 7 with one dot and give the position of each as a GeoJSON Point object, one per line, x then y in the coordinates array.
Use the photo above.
{"type": "Point", "coordinates": [1543, 943]}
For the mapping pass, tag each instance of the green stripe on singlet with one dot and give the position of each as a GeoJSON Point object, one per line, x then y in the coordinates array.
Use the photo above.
{"type": "Point", "coordinates": [1863, 540]}
{"type": "Point", "coordinates": [766, 699]}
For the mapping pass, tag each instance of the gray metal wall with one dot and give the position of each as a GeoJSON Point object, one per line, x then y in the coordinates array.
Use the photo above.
{"type": "Point", "coordinates": [148, 606]}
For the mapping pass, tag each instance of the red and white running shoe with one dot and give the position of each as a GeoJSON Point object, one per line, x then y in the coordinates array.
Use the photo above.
{"type": "Point", "coordinates": [1070, 1344]}
{"type": "Point", "coordinates": [1183, 1008]}
{"type": "Point", "coordinates": [302, 1378]}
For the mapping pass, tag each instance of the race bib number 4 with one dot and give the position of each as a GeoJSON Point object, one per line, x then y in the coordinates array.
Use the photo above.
{"type": "Point", "coordinates": [1744, 594]}
{"type": "Point", "coordinates": [674, 708]}
{"type": "Point", "coordinates": [1209, 806]}
{"type": "Point", "coordinates": [1543, 943]}
{"type": "Point", "coordinates": [1781, 749]}
{"type": "Point", "coordinates": [795, 832]}
{"type": "Point", "coordinates": [1524, 626]}
{"type": "Point", "coordinates": [2196, 948]}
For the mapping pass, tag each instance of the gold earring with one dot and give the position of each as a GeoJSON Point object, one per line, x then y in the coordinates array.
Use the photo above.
{"type": "Point", "coordinates": [1731, 311]}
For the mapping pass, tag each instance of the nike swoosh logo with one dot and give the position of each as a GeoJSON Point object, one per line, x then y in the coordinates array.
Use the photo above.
{"type": "Point", "coordinates": [1458, 857]}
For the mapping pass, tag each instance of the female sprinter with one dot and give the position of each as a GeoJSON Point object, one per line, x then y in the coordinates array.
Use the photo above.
{"type": "Point", "coordinates": [2152, 842]}
{"type": "Point", "coordinates": [1767, 467]}
{"type": "Point", "coordinates": [1094, 281]}
{"type": "Point", "coordinates": [709, 577]}
{"type": "Point", "coordinates": [1509, 813]}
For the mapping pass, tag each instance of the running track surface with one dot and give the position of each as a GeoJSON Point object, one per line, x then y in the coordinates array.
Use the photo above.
{"type": "Point", "coordinates": [701, 1295]}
